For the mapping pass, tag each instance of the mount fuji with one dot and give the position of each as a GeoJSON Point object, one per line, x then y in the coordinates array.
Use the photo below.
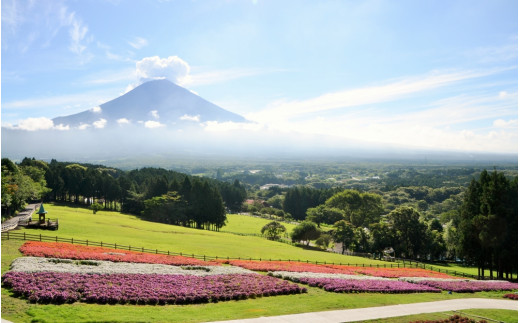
{"type": "Point", "coordinates": [160, 102]}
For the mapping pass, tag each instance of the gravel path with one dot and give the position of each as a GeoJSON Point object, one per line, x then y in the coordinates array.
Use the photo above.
{"type": "Point", "coordinates": [371, 313]}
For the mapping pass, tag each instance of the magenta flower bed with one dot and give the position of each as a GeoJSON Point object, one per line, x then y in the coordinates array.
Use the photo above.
{"type": "Point", "coordinates": [59, 288]}
{"type": "Point", "coordinates": [355, 286]}
{"type": "Point", "coordinates": [471, 286]}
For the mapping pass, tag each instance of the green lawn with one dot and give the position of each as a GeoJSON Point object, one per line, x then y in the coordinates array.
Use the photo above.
{"type": "Point", "coordinates": [123, 229]}
{"type": "Point", "coordinates": [112, 227]}
{"type": "Point", "coordinates": [249, 225]}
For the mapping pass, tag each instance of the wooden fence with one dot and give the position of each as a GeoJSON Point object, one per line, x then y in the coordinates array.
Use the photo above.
{"type": "Point", "coordinates": [39, 237]}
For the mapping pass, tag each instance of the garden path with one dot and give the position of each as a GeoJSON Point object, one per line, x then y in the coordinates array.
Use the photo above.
{"type": "Point", "coordinates": [372, 313]}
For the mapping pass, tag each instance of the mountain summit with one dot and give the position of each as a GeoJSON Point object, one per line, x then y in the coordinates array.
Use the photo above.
{"type": "Point", "coordinates": [160, 101]}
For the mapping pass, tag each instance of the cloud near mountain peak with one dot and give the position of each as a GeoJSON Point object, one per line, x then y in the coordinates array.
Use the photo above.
{"type": "Point", "coordinates": [172, 68]}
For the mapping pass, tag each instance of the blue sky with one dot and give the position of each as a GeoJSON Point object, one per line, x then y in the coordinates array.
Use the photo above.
{"type": "Point", "coordinates": [439, 74]}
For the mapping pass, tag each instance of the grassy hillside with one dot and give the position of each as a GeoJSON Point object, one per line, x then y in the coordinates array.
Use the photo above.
{"type": "Point", "coordinates": [112, 227]}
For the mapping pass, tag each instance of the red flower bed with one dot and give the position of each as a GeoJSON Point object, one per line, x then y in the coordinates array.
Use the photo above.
{"type": "Point", "coordinates": [511, 296]}
{"type": "Point", "coordinates": [291, 266]}
{"type": "Point", "coordinates": [80, 252]}
{"type": "Point", "coordinates": [400, 272]}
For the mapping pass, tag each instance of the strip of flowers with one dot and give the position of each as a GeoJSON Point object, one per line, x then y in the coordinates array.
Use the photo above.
{"type": "Point", "coordinates": [401, 272]}
{"type": "Point", "coordinates": [469, 286]}
{"type": "Point", "coordinates": [81, 252]}
{"type": "Point", "coordinates": [154, 289]}
{"type": "Point", "coordinates": [295, 276]}
{"type": "Point", "coordinates": [420, 279]}
{"type": "Point", "coordinates": [335, 269]}
{"type": "Point", "coordinates": [39, 264]}
{"type": "Point", "coordinates": [291, 266]}
{"type": "Point", "coordinates": [366, 286]}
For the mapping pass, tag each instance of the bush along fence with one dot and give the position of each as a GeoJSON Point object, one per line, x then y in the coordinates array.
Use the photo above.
{"type": "Point", "coordinates": [39, 237]}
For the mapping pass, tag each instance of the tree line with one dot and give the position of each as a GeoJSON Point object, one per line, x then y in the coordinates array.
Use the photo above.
{"type": "Point", "coordinates": [152, 193]}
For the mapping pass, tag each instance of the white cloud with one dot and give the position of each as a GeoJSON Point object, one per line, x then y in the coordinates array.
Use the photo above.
{"type": "Point", "coordinates": [100, 124]}
{"type": "Point", "coordinates": [155, 114]}
{"type": "Point", "coordinates": [190, 118]}
{"type": "Point", "coordinates": [77, 32]}
{"type": "Point", "coordinates": [123, 121]}
{"type": "Point", "coordinates": [138, 42]}
{"type": "Point", "coordinates": [96, 109]}
{"type": "Point", "coordinates": [500, 123]}
{"type": "Point", "coordinates": [62, 127]}
{"type": "Point", "coordinates": [83, 126]}
{"type": "Point", "coordinates": [172, 68]}
{"type": "Point", "coordinates": [34, 124]}
{"type": "Point", "coordinates": [361, 96]}
{"type": "Point", "coordinates": [153, 124]}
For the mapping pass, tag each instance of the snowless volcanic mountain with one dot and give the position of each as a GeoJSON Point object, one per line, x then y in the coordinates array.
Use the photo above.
{"type": "Point", "coordinates": [158, 101]}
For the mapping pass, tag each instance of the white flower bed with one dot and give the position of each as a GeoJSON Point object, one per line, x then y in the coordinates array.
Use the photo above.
{"type": "Point", "coordinates": [420, 279]}
{"type": "Point", "coordinates": [38, 264]}
{"type": "Point", "coordinates": [295, 276]}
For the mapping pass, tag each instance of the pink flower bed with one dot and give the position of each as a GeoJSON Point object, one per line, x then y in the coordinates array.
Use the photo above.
{"type": "Point", "coordinates": [153, 289]}
{"type": "Point", "coordinates": [80, 252]}
{"type": "Point", "coordinates": [471, 286]}
{"type": "Point", "coordinates": [366, 285]}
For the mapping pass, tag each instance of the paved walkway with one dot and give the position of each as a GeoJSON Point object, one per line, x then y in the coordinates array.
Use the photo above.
{"type": "Point", "coordinates": [372, 313]}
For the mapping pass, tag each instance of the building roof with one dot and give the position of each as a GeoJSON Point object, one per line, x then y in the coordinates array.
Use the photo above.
{"type": "Point", "coordinates": [41, 210]}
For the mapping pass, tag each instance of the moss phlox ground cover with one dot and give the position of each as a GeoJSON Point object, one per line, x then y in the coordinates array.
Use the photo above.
{"type": "Point", "coordinates": [65, 273]}
{"type": "Point", "coordinates": [75, 251]}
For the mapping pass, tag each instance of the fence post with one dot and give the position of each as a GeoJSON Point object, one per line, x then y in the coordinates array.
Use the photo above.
{"type": "Point", "coordinates": [101, 243]}
{"type": "Point", "coordinates": [72, 240]}
{"type": "Point", "coordinates": [57, 239]}
{"type": "Point", "coordinates": [115, 245]}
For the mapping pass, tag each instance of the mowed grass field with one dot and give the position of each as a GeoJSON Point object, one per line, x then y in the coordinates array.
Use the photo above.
{"type": "Point", "coordinates": [123, 229]}
{"type": "Point", "coordinates": [112, 227]}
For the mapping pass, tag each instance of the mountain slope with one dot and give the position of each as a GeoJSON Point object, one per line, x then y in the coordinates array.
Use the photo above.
{"type": "Point", "coordinates": [158, 100]}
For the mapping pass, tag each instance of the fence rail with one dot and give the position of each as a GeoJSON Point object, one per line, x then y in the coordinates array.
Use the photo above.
{"type": "Point", "coordinates": [39, 237]}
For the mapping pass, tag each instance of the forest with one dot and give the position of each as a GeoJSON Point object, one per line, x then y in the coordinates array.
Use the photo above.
{"type": "Point", "coordinates": [427, 212]}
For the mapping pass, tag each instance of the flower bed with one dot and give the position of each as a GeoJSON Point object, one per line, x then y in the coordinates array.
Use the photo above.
{"type": "Point", "coordinates": [400, 272]}
{"type": "Point", "coordinates": [335, 269]}
{"type": "Point", "coordinates": [80, 252]}
{"type": "Point", "coordinates": [469, 286]}
{"type": "Point", "coordinates": [38, 264]}
{"type": "Point", "coordinates": [58, 288]}
{"type": "Point", "coordinates": [366, 285]}
{"type": "Point", "coordinates": [453, 319]}
{"type": "Point", "coordinates": [295, 276]}
{"type": "Point", "coordinates": [291, 266]}
{"type": "Point", "coordinates": [511, 296]}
